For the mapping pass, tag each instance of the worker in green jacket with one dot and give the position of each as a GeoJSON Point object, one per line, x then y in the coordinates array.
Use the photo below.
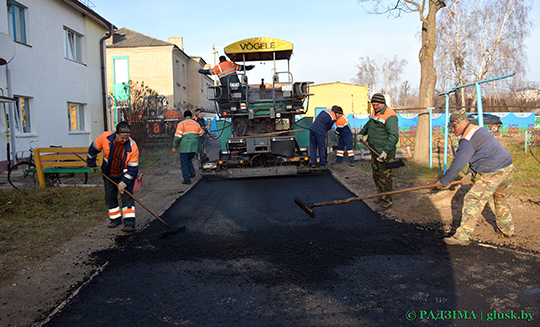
{"type": "Point", "coordinates": [382, 135]}
{"type": "Point", "coordinates": [186, 140]}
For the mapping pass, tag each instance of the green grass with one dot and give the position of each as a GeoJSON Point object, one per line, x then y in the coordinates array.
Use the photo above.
{"type": "Point", "coordinates": [33, 223]}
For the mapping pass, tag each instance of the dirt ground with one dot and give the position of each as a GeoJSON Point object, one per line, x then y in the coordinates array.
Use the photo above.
{"type": "Point", "coordinates": [39, 290]}
{"type": "Point", "coordinates": [434, 208]}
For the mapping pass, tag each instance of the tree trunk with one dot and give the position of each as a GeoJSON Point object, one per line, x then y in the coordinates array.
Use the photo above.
{"type": "Point", "coordinates": [428, 80]}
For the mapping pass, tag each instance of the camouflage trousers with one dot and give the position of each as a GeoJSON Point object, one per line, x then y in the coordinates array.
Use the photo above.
{"type": "Point", "coordinates": [497, 184]}
{"type": "Point", "coordinates": [382, 178]}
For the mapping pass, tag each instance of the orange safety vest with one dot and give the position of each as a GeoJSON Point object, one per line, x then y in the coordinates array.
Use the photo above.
{"type": "Point", "coordinates": [342, 121]}
{"type": "Point", "coordinates": [383, 117]}
{"type": "Point", "coordinates": [225, 68]}
{"type": "Point", "coordinates": [130, 159]}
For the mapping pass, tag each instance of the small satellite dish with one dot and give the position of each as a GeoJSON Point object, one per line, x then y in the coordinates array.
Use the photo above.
{"type": "Point", "coordinates": [7, 49]}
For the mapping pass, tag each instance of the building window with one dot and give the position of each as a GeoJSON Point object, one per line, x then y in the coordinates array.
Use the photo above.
{"type": "Point", "coordinates": [16, 23]}
{"type": "Point", "coordinates": [75, 117]}
{"type": "Point", "coordinates": [72, 41]}
{"type": "Point", "coordinates": [22, 115]}
{"type": "Point", "coordinates": [184, 75]}
{"type": "Point", "coordinates": [177, 70]}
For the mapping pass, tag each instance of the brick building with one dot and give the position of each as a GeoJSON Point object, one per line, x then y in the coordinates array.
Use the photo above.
{"type": "Point", "coordinates": [162, 66]}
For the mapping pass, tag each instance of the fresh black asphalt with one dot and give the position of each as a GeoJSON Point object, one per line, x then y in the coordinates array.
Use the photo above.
{"type": "Point", "coordinates": [252, 257]}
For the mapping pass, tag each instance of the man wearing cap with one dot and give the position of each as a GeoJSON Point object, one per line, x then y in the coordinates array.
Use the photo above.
{"type": "Point", "coordinates": [186, 140]}
{"type": "Point", "coordinates": [382, 135]}
{"type": "Point", "coordinates": [317, 134]}
{"type": "Point", "coordinates": [490, 165]}
{"type": "Point", "coordinates": [121, 164]}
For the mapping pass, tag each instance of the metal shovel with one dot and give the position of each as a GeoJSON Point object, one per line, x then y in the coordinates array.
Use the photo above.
{"type": "Point", "coordinates": [389, 164]}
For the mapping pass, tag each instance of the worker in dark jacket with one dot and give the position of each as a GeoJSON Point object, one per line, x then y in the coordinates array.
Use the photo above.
{"type": "Point", "coordinates": [121, 164]}
{"type": "Point", "coordinates": [344, 133]}
{"type": "Point", "coordinates": [317, 134]}
{"type": "Point", "coordinates": [490, 165]}
{"type": "Point", "coordinates": [383, 135]}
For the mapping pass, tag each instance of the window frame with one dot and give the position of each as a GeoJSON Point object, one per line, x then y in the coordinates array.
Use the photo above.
{"type": "Point", "coordinates": [72, 51]}
{"type": "Point", "coordinates": [80, 118]}
{"type": "Point", "coordinates": [23, 110]}
{"type": "Point", "coordinates": [15, 26]}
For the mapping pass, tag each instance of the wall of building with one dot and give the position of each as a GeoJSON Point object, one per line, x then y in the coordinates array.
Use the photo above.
{"type": "Point", "coordinates": [198, 85]}
{"type": "Point", "coordinates": [351, 97]}
{"type": "Point", "coordinates": [41, 72]}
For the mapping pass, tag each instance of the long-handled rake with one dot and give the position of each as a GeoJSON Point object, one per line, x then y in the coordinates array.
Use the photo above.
{"type": "Point", "coordinates": [162, 235]}
{"type": "Point", "coordinates": [308, 208]}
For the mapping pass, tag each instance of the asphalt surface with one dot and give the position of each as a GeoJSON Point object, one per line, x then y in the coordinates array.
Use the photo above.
{"type": "Point", "coordinates": [252, 257]}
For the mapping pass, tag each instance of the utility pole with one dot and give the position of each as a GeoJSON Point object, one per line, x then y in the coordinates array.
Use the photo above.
{"type": "Point", "coordinates": [214, 53]}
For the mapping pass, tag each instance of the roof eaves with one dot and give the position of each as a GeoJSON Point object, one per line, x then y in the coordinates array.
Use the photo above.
{"type": "Point", "coordinates": [89, 12]}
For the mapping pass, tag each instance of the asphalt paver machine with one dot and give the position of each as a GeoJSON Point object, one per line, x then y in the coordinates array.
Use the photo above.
{"type": "Point", "coordinates": [258, 124]}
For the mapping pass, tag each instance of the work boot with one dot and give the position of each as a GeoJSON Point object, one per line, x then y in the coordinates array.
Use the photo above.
{"type": "Point", "coordinates": [128, 229]}
{"type": "Point", "coordinates": [455, 241]}
{"type": "Point", "coordinates": [351, 164]}
{"type": "Point", "coordinates": [186, 182]}
{"type": "Point", "coordinates": [377, 200]}
{"type": "Point", "coordinates": [383, 207]}
{"type": "Point", "coordinates": [192, 175]}
{"type": "Point", "coordinates": [499, 232]}
{"type": "Point", "coordinates": [114, 222]}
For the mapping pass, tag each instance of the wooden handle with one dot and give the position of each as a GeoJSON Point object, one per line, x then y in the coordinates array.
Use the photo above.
{"type": "Point", "coordinates": [320, 204]}
{"type": "Point", "coordinates": [131, 195]}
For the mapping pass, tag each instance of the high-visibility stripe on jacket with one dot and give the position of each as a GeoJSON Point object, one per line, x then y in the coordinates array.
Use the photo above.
{"type": "Point", "coordinates": [342, 126]}
{"type": "Point", "coordinates": [186, 137]}
{"type": "Point", "coordinates": [130, 157]}
{"type": "Point", "coordinates": [323, 122]}
{"type": "Point", "coordinates": [225, 68]}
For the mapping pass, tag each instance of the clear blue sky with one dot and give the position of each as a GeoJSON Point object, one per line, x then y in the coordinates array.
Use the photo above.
{"type": "Point", "coordinates": [329, 37]}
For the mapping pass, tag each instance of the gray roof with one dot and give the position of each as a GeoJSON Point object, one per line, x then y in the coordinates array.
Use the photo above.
{"type": "Point", "coordinates": [126, 38]}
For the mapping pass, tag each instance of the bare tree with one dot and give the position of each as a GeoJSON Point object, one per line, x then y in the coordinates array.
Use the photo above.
{"type": "Point", "coordinates": [392, 71]}
{"type": "Point", "coordinates": [503, 27]}
{"type": "Point", "coordinates": [427, 10]}
{"type": "Point", "coordinates": [404, 92]}
{"type": "Point", "coordinates": [482, 39]}
{"type": "Point", "coordinates": [455, 27]}
{"type": "Point", "coordinates": [368, 72]}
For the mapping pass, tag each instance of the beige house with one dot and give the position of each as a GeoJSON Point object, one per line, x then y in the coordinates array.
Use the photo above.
{"type": "Point", "coordinates": [162, 66]}
{"type": "Point", "coordinates": [352, 98]}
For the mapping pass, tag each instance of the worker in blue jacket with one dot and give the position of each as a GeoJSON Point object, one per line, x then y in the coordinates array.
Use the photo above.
{"type": "Point", "coordinates": [317, 134]}
{"type": "Point", "coordinates": [490, 165]}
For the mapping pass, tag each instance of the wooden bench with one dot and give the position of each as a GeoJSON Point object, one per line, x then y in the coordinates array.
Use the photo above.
{"type": "Point", "coordinates": [58, 160]}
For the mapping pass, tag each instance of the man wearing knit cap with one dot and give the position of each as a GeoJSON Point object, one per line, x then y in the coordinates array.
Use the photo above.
{"type": "Point", "coordinates": [121, 165]}
{"type": "Point", "coordinates": [490, 164]}
{"type": "Point", "coordinates": [382, 135]}
{"type": "Point", "coordinates": [317, 134]}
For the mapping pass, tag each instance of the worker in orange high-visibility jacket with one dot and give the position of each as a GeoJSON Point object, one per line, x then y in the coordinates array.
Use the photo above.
{"type": "Point", "coordinates": [121, 164]}
{"type": "Point", "coordinates": [344, 133]}
{"type": "Point", "coordinates": [317, 134]}
{"type": "Point", "coordinates": [186, 140]}
{"type": "Point", "coordinates": [226, 71]}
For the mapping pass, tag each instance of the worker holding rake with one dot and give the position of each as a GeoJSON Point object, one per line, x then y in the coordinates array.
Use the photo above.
{"type": "Point", "coordinates": [121, 166]}
{"type": "Point", "coordinates": [383, 135]}
{"type": "Point", "coordinates": [491, 165]}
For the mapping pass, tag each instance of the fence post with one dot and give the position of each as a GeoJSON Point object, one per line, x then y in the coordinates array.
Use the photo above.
{"type": "Point", "coordinates": [430, 136]}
